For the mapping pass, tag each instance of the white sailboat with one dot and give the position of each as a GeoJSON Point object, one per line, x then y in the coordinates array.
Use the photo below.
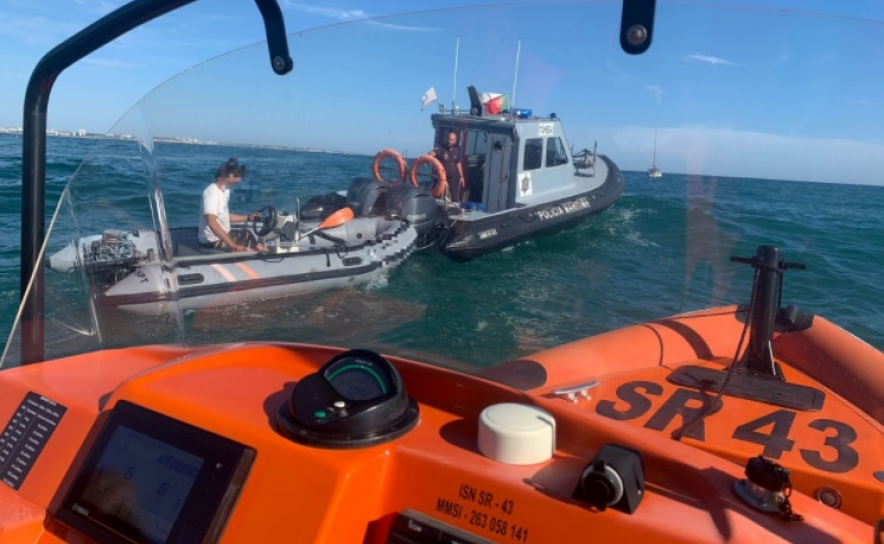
{"type": "Point", "coordinates": [653, 171]}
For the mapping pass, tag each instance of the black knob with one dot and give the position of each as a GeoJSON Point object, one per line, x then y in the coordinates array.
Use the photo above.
{"type": "Point", "coordinates": [614, 478]}
{"type": "Point", "coordinates": [601, 485]}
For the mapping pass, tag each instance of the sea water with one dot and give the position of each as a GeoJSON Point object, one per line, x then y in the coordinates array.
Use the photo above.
{"type": "Point", "coordinates": [662, 249]}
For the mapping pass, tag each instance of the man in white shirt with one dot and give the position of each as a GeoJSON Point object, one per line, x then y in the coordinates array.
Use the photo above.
{"type": "Point", "coordinates": [215, 218]}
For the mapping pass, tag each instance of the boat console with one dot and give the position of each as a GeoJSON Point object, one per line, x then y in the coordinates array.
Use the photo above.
{"type": "Point", "coordinates": [166, 445]}
{"type": "Point", "coordinates": [734, 423]}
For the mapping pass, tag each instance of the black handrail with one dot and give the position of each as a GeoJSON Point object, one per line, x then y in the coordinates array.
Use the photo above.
{"type": "Point", "coordinates": [33, 213]}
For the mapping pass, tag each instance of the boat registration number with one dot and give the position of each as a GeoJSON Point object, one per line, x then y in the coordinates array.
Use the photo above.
{"type": "Point", "coordinates": [487, 511]}
{"type": "Point", "coordinates": [829, 448]}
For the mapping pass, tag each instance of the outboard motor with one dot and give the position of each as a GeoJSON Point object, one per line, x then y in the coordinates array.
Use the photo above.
{"type": "Point", "coordinates": [321, 206]}
{"type": "Point", "coordinates": [367, 196]}
{"type": "Point", "coordinates": [416, 205]}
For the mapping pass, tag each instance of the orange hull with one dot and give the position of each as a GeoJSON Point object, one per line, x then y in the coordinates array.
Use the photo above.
{"type": "Point", "coordinates": [295, 493]}
{"type": "Point", "coordinates": [836, 452]}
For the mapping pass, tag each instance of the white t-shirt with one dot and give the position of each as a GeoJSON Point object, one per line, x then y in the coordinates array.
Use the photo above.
{"type": "Point", "coordinates": [214, 202]}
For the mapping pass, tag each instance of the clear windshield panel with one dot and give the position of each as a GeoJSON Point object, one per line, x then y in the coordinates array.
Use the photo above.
{"type": "Point", "coordinates": [753, 117]}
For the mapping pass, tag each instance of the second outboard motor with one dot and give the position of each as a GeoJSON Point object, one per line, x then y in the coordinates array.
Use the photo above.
{"type": "Point", "coordinates": [367, 196]}
{"type": "Point", "coordinates": [321, 206]}
{"type": "Point", "coordinates": [414, 204]}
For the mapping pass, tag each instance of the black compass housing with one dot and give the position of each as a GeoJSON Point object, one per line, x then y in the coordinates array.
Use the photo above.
{"type": "Point", "coordinates": [355, 400]}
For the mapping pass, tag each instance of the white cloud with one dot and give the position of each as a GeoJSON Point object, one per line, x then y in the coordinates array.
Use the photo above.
{"type": "Point", "coordinates": [168, 41]}
{"type": "Point", "coordinates": [35, 30]}
{"type": "Point", "coordinates": [400, 27]}
{"type": "Point", "coordinates": [861, 102]}
{"type": "Point", "coordinates": [100, 7]}
{"type": "Point", "coordinates": [714, 61]}
{"type": "Point", "coordinates": [219, 17]}
{"type": "Point", "coordinates": [657, 91]}
{"type": "Point", "coordinates": [109, 63]}
{"type": "Point", "coordinates": [347, 15]}
{"type": "Point", "coordinates": [741, 153]}
{"type": "Point", "coordinates": [331, 13]}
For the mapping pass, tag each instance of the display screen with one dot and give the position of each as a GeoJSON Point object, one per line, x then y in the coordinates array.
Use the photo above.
{"type": "Point", "coordinates": [141, 482]}
{"type": "Point", "coordinates": [152, 479]}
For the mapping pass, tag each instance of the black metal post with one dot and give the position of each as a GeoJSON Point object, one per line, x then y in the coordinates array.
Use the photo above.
{"type": "Point", "coordinates": [763, 318]}
{"type": "Point", "coordinates": [33, 215]}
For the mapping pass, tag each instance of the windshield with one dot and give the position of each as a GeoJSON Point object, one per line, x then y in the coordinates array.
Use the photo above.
{"type": "Point", "coordinates": [763, 125]}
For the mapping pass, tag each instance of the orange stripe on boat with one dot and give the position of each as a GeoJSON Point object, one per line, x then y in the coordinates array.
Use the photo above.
{"type": "Point", "coordinates": [224, 273]}
{"type": "Point", "coordinates": [249, 272]}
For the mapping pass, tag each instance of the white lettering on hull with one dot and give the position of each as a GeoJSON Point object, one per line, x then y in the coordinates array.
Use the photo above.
{"type": "Point", "coordinates": [564, 208]}
{"type": "Point", "coordinates": [485, 234]}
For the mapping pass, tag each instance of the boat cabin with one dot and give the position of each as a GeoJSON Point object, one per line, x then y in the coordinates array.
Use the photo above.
{"type": "Point", "coordinates": [511, 159]}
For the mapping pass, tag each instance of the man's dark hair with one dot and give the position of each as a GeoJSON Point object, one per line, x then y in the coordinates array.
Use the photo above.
{"type": "Point", "coordinates": [231, 167]}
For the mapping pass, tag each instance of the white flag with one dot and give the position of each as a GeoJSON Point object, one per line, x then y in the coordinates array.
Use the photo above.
{"type": "Point", "coordinates": [428, 98]}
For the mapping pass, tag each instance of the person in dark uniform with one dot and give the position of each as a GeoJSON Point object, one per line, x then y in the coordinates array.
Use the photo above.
{"type": "Point", "coordinates": [449, 155]}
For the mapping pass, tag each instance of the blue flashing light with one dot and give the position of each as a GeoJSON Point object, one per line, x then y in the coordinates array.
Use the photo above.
{"type": "Point", "coordinates": [519, 112]}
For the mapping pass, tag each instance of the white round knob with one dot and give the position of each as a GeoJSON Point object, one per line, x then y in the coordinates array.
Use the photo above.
{"type": "Point", "coordinates": [517, 434]}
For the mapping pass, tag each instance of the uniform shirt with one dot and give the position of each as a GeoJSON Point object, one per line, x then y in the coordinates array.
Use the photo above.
{"type": "Point", "coordinates": [214, 202]}
{"type": "Point", "coordinates": [450, 158]}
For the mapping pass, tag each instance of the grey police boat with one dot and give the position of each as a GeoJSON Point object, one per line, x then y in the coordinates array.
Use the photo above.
{"type": "Point", "coordinates": [522, 180]}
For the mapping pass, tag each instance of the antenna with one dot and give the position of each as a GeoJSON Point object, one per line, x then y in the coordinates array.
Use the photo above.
{"type": "Point", "coordinates": [655, 143]}
{"type": "Point", "coordinates": [454, 88]}
{"type": "Point", "coordinates": [516, 75]}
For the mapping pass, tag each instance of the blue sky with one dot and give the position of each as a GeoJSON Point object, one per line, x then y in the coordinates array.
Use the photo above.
{"type": "Point", "coordinates": [804, 101]}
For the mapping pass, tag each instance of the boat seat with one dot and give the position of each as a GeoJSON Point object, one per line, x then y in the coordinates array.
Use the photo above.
{"type": "Point", "coordinates": [582, 161]}
{"type": "Point", "coordinates": [186, 243]}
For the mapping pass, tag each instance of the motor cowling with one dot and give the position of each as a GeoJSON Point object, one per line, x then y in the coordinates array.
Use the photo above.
{"type": "Point", "coordinates": [415, 205]}
{"type": "Point", "coordinates": [367, 196]}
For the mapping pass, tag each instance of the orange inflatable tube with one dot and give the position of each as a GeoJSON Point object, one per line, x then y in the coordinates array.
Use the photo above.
{"type": "Point", "coordinates": [833, 356]}
{"type": "Point", "coordinates": [433, 474]}
{"type": "Point", "coordinates": [834, 448]}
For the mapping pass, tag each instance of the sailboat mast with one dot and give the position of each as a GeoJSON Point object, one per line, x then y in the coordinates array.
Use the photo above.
{"type": "Point", "coordinates": [653, 171]}
{"type": "Point", "coordinates": [654, 162]}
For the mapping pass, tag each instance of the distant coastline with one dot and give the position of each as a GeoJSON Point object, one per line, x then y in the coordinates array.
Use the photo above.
{"type": "Point", "coordinates": [82, 134]}
{"type": "Point", "coordinates": [96, 136]}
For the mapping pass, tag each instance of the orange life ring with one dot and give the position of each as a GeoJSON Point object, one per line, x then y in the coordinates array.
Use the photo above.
{"type": "Point", "coordinates": [439, 189]}
{"type": "Point", "coordinates": [385, 154]}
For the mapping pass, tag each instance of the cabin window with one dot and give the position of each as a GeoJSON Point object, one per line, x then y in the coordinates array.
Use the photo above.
{"type": "Point", "coordinates": [555, 152]}
{"type": "Point", "coordinates": [533, 154]}
{"type": "Point", "coordinates": [477, 143]}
